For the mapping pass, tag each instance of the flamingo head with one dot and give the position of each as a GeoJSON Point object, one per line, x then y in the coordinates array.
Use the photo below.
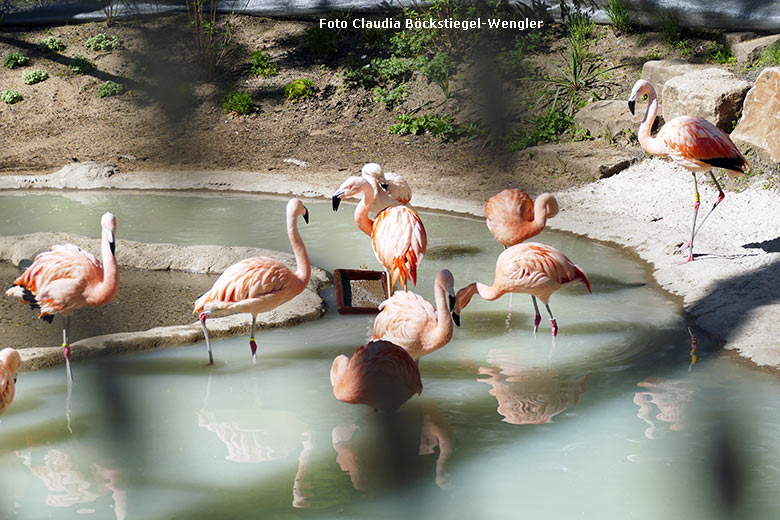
{"type": "Point", "coordinates": [11, 359]}
{"type": "Point", "coordinates": [373, 170]}
{"type": "Point", "coordinates": [462, 299]}
{"type": "Point", "coordinates": [108, 223]}
{"type": "Point", "coordinates": [641, 88]}
{"type": "Point", "coordinates": [350, 188]}
{"type": "Point", "coordinates": [445, 279]}
{"type": "Point", "coordinates": [296, 208]}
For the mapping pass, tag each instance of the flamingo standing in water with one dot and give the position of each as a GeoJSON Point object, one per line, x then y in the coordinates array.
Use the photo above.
{"type": "Point", "coordinates": [512, 217]}
{"type": "Point", "coordinates": [409, 321]}
{"type": "Point", "coordinates": [258, 284]}
{"type": "Point", "coordinates": [397, 234]}
{"type": "Point", "coordinates": [531, 268]}
{"type": "Point", "coordinates": [10, 361]}
{"type": "Point", "coordinates": [391, 189]}
{"type": "Point", "coordinates": [379, 374]}
{"type": "Point", "coordinates": [68, 278]}
{"type": "Point", "coordinates": [693, 143]}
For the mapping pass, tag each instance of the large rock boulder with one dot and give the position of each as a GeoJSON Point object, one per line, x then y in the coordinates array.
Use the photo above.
{"type": "Point", "coordinates": [611, 117]}
{"type": "Point", "coordinates": [759, 127]}
{"type": "Point", "coordinates": [658, 72]}
{"type": "Point", "coordinates": [747, 51]}
{"type": "Point", "coordinates": [714, 94]}
{"type": "Point", "coordinates": [583, 159]}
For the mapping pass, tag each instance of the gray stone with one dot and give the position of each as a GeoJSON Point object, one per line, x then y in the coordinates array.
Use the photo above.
{"type": "Point", "coordinates": [583, 159]}
{"type": "Point", "coordinates": [713, 94]}
{"type": "Point", "coordinates": [747, 51]}
{"type": "Point", "coordinates": [731, 39]}
{"type": "Point", "coordinates": [611, 117]}
{"type": "Point", "coordinates": [658, 72]}
{"type": "Point", "coordinates": [759, 127]}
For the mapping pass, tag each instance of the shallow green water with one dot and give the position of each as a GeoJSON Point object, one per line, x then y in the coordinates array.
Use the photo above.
{"type": "Point", "coordinates": [605, 422]}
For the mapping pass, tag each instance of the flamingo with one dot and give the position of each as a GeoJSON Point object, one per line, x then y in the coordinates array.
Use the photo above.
{"type": "Point", "coordinates": [68, 278]}
{"type": "Point", "coordinates": [531, 268]}
{"type": "Point", "coordinates": [258, 284]}
{"type": "Point", "coordinates": [380, 374]}
{"type": "Point", "coordinates": [693, 143]}
{"type": "Point", "coordinates": [397, 234]}
{"type": "Point", "coordinates": [391, 188]}
{"type": "Point", "coordinates": [10, 361]}
{"type": "Point", "coordinates": [409, 321]}
{"type": "Point", "coordinates": [512, 217]}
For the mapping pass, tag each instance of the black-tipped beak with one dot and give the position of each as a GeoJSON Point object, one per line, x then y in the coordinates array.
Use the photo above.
{"type": "Point", "coordinates": [384, 186]}
{"type": "Point", "coordinates": [336, 201]}
{"type": "Point", "coordinates": [456, 318]}
{"type": "Point", "coordinates": [306, 214]}
{"type": "Point", "coordinates": [112, 245]}
{"type": "Point", "coordinates": [452, 302]}
{"type": "Point", "coordinates": [631, 105]}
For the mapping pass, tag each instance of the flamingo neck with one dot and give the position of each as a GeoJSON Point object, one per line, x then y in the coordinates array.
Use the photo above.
{"type": "Point", "coordinates": [302, 262]}
{"type": "Point", "coordinates": [442, 334]}
{"type": "Point", "coordinates": [540, 214]}
{"type": "Point", "coordinates": [488, 292]}
{"type": "Point", "coordinates": [106, 290]}
{"type": "Point", "coordinates": [362, 220]}
{"type": "Point", "coordinates": [652, 145]}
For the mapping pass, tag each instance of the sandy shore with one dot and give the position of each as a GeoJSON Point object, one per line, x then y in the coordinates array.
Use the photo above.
{"type": "Point", "coordinates": [729, 291]}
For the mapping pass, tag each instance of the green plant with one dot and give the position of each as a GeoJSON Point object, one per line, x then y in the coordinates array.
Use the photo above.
{"type": "Point", "coordinates": [670, 27]}
{"type": "Point", "coordinates": [102, 42]}
{"type": "Point", "coordinates": [390, 97]}
{"type": "Point", "coordinates": [684, 48]}
{"type": "Point", "coordinates": [442, 127]}
{"type": "Point", "coordinates": [31, 77]}
{"type": "Point", "coordinates": [769, 58]}
{"type": "Point", "coordinates": [438, 70]}
{"type": "Point", "coordinates": [546, 128]}
{"type": "Point", "coordinates": [15, 59]}
{"type": "Point", "coordinates": [320, 40]}
{"type": "Point", "coordinates": [299, 89]}
{"type": "Point", "coordinates": [10, 97]}
{"type": "Point", "coordinates": [720, 55]}
{"type": "Point", "coordinates": [655, 54]}
{"type": "Point", "coordinates": [262, 65]}
{"type": "Point", "coordinates": [238, 102]}
{"type": "Point", "coordinates": [580, 27]}
{"type": "Point", "coordinates": [81, 65]}
{"type": "Point", "coordinates": [212, 40]}
{"type": "Point", "coordinates": [110, 88]}
{"type": "Point", "coordinates": [618, 16]}
{"type": "Point", "coordinates": [51, 44]}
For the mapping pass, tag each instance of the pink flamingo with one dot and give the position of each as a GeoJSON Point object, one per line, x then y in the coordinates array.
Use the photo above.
{"type": "Point", "coordinates": [531, 268]}
{"type": "Point", "coordinates": [68, 278]}
{"type": "Point", "coordinates": [409, 321]}
{"type": "Point", "coordinates": [391, 188]}
{"type": "Point", "coordinates": [397, 234]}
{"type": "Point", "coordinates": [379, 374]}
{"type": "Point", "coordinates": [693, 143]}
{"type": "Point", "coordinates": [512, 217]}
{"type": "Point", "coordinates": [10, 361]}
{"type": "Point", "coordinates": [258, 284]}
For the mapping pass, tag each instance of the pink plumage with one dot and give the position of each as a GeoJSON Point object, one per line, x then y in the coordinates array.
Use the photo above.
{"type": "Point", "coordinates": [10, 361]}
{"type": "Point", "coordinates": [512, 217]}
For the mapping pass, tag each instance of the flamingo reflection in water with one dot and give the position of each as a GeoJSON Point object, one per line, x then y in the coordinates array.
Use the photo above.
{"type": "Point", "coordinates": [670, 396]}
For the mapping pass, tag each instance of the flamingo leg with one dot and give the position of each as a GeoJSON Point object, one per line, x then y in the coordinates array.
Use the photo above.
{"type": "Point", "coordinates": [695, 213]}
{"type": "Point", "coordinates": [202, 317]}
{"type": "Point", "coordinates": [66, 348]}
{"type": "Point", "coordinates": [721, 196]}
{"type": "Point", "coordinates": [553, 322]}
{"type": "Point", "coordinates": [389, 284]}
{"type": "Point", "coordinates": [252, 344]}
{"type": "Point", "coordinates": [538, 317]}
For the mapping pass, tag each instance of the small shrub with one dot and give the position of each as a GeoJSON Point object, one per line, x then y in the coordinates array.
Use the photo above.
{"type": "Point", "coordinates": [110, 88]}
{"type": "Point", "coordinates": [320, 40]}
{"type": "Point", "coordinates": [390, 97]}
{"type": "Point", "coordinates": [81, 65]}
{"type": "Point", "coordinates": [15, 59]}
{"type": "Point", "coordinates": [442, 127]}
{"type": "Point", "coordinates": [51, 44]}
{"type": "Point", "coordinates": [31, 77]}
{"type": "Point", "coordinates": [263, 66]}
{"type": "Point", "coordinates": [670, 27]}
{"type": "Point", "coordinates": [299, 89]}
{"type": "Point", "coordinates": [618, 16]}
{"type": "Point", "coordinates": [438, 69]}
{"type": "Point", "coordinates": [10, 97]}
{"type": "Point", "coordinates": [238, 102]}
{"type": "Point", "coordinates": [103, 42]}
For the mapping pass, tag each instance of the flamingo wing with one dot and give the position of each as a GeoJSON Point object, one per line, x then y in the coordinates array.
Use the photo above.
{"type": "Point", "coordinates": [403, 319]}
{"type": "Point", "coordinates": [399, 242]}
{"type": "Point", "coordinates": [508, 214]}
{"type": "Point", "coordinates": [398, 188]}
{"type": "Point", "coordinates": [696, 140]}
{"type": "Point", "coordinates": [531, 265]}
{"type": "Point", "coordinates": [252, 278]}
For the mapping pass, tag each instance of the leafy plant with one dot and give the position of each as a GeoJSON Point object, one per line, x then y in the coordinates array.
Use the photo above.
{"type": "Point", "coordinates": [720, 55]}
{"type": "Point", "coordinates": [212, 40]}
{"type": "Point", "coordinates": [618, 16]}
{"type": "Point", "coordinates": [31, 77]}
{"type": "Point", "coordinates": [262, 65]}
{"type": "Point", "coordinates": [51, 44]}
{"type": "Point", "coordinates": [110, 88]}
{"type": "Point", "coordinates": [238, 102]}
{"type": "Point", "coordinates": [390, 97]}
{"type": "Point", "coordinates": [770, 57]}
{"type": "Point", "coordinates": [103, 42]}
{"type": "Point", "coordinates": [438, 70]}
{"type": "Point", "coordinates": [546, 128]}
{"type": "Point", "coordinates": [670, 27]}
{"type": "Point", "coordinates": [684, 47]}
{"type": "Point", "coordinates": [442, 127]}
{"type": "Point", "coordinates": [16, 59]}
{"type": "Point", "coordinates": [299, 89]}
{"type": "Point", "coordinates": [580, 27]}
{"type": "Point", "coordinates": [320, 40]}
{"type": "Point", "coordinates": [81, 64]}
{"type": "Point", "coordinates": [10, 97]}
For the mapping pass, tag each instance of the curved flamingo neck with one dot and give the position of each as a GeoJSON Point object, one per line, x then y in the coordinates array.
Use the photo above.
{"type": "Point", "coordinates": [652, 145]}
{"type": "Point", "coordinates": [540, 214]}
{"type": "Point", "coordinates": [302, 262]}
{"type": "Point", "coordinates": [443, 332]}
{"type": "Point", "coordinates": [106, 290]}
{"type": "Point", "coordinates": [362, 220]}
{"type": "Point", "coordinates": [488, 292]}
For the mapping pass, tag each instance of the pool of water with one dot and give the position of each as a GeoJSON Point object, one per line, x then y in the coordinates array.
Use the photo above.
{"type": "Point", "coordinates": [605, 422]}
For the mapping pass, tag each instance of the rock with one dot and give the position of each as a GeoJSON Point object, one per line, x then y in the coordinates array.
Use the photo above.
{"type": "Point", "coordinates": [611, 117]}
{"type": "Point", "coordinates": [582, 159]}
{"type": "Point", "coordinates": [747, 51]}
{"type": "Point", "coordinates": [658, 72]}
{"type": "Point", "coordinates": [759, 127]}
{"type": "Point", "coordinates": [731, 39]}
{"type": "Point", "coordinates": [714, 94]}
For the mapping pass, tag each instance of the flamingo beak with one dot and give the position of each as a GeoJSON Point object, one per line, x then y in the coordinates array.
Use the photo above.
{"type": "Point", "coordinates": [452, 302]}
{"type": "Point", "coordinates": [337, 200]}
{"type": "Point", "coordinates": [111, 242]}
{"type": "Point", "coordinates": [306, 214]}
{"type": "Point", "coordinates": [385, 186]}
{"type": "Point", "coordinates": [632, 104]}
{"type": "Point", "coordinates": [456, 318]}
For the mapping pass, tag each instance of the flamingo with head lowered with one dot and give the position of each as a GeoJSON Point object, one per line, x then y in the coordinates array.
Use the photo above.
{"type": "Point", "coordinates": [391, 188]}
{"type": "Point", "coordinates": [531, 268]}
{"type": "Point", "coordinates": [693, 143]}
{"type": "Point", "coordinates": [512, 217]}
{"type": "Point", "coordinates": [68, 278]}
{"type": "Point", "coordinates": [397, 234]}
{"type": "Point", "coordinates": [258, 284]}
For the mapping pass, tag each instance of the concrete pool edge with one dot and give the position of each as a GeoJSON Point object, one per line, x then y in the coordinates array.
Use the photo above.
{"type": "Point", "coordinates": [307, 306]}
{"type": "Point", "coordinates": [625, 210]}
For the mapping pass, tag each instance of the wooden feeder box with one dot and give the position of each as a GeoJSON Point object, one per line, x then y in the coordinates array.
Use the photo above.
{"type": "Point", "coordinates": [358, 291]}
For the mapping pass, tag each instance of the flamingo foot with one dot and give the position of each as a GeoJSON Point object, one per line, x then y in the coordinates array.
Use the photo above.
{"type": "Point", "coordinates": [685, 245]}
{"type": "Point", "coordinates": [537, 321]}
{"type": "Point", "coordinates": [689, 259]}
{"type": "Point", "coordinates": [66, 351]}
{"type": "Point", "coordinates": [202, 317]}
{"type": "Point", "coordinates": [253, 348]}
{"type": "Point", "coordinates": [554, 327]}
